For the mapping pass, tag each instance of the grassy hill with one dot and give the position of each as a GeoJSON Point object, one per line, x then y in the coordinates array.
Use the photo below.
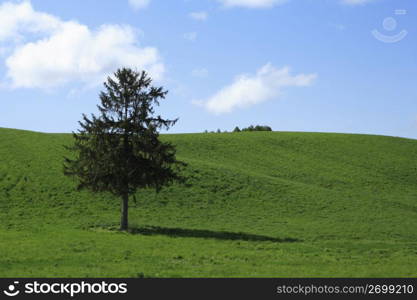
{"type": "Point", "coordinates": [258, 204]}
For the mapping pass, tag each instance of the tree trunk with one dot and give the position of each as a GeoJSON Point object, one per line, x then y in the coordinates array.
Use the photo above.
{"type": "Point", "coordinates": [124, 215]}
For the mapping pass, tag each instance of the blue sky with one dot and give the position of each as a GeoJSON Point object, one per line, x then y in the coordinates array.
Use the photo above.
{"type": "Point", "coordinates": [296, 65]}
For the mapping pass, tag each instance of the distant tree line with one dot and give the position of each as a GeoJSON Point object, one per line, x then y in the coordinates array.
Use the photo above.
{"type": "Point", "coordinates": [253, 128]}
{"type": "Point", "coordinates": [250, 128]}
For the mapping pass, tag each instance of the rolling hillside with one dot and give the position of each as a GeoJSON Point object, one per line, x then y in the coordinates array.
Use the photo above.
{"type": "Point", "coordinates": [262, 204]}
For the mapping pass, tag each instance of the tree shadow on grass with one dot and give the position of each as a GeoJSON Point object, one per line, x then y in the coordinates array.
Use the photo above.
{"type": "Point", "coordinates": [208, 234]}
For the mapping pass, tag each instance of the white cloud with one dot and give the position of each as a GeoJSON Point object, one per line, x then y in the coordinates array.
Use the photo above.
{"type": "Point", "coordinates": [16, 19]}
{"type": "Point", "coordinates": [356, 2]}
{"type": "Point", "coordinates": [252, 3]}
{"type": "Point", "coordinates": [248, 90]}
{"type": "Point", "coordinates": [61, 52]}
{"type": "Point", "coordinates": [199, 15]}
{"type": "Point", "coordinates": [191, 36]}
{"type": "Point", "coordinates": [201, 73]}
{"type": "Point", "coordinates": [139, 4]}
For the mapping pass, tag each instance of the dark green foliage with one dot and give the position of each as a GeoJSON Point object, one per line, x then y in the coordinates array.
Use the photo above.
{"type": "Point", "coordinates": [120, 151]}
{"type": "Point", "coordinates": [237, 129]}
{"type": "Point", "coordinates": [262, 128]}
{"type": "Point", "coordinates": [257, 128]}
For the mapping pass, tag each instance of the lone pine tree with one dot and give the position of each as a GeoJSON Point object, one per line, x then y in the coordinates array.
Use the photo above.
{"type": "Point", "coordinates": [119, 151]}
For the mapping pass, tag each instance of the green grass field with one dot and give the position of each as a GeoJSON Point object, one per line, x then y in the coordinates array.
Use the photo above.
{"type": "Point", "coordinates": [264, 204]}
